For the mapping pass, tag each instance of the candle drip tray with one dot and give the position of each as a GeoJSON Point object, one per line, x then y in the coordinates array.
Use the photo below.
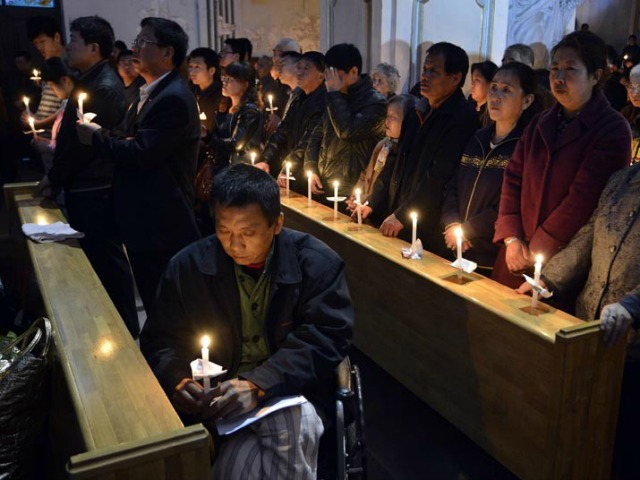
{"type": "Point", "coordinates": [537, 311]}
{"type": "Point", "coordinates": [459, 279]}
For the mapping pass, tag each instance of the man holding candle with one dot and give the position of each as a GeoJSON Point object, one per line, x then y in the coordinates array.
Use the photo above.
{"type": "Point", "coordinates": [154, 156]}
{"type": "Point", "coordinates": [276, 305]}
{"type": "Point", "coordinates": [351, 126]}
{"type": "Point", "coordinates": [85, 175]}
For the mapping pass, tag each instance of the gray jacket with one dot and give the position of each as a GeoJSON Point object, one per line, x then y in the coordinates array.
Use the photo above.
{"type": "Point", "coordinates": [602, 256]}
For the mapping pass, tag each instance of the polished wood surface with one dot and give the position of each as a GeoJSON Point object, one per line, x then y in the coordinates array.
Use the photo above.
{"type": "Point", "coordinates": [538, 392]}
{"type": "Point", "coordinates": [126, 422]}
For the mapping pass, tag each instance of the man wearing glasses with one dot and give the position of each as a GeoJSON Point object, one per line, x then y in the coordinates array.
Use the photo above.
{"type": "Point", "coordinates": [155, 156]}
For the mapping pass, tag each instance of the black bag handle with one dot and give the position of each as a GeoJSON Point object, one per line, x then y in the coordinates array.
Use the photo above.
{"type": "Point", "coordinates": [27, 342]}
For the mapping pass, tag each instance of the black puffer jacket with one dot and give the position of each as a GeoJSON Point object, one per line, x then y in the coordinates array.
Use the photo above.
{"type": "Point", "coordinates": [77, 166]}
{"type": "Point", "coordinates": [289, 141]}
{"type": "Point", "coordinates": [351, 127]}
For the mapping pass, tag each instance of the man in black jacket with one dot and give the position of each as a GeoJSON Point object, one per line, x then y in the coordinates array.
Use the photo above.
{"type": "Point", "coordinates": [289, 142]}
{"type": "Point", "coordinates": [155, 157]}
{"type": "Point", "coordinates": [85, 175]}
{"type": "Point", "coordinates": [430, 147]}
{"type": "Point", "coordinates": [352, 125]}
{"type": "Point", "coordinates": [276, 305]}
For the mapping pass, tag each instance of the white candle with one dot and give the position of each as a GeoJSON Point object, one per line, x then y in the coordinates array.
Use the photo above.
{"type": "Point", "coordinates": [270, 97]}
{"type": "Point", "coordinates": [32, 124]}
{"type": "Point", "coordinates": [205, 364]}
{"type": "Point", "coordinates": [26, 104]}
{"type": "Point", "coordinates": [458, 233]}
{"type": "Point", "coordinates": [36, 74]}
{"type": "Point", "coordinates": [336, 184]}
{"type": "Point", "coordinates": [414, 229]}
{"type": "Point", "coordinates": [288, 171]}
{"type": "Point", "coordinates": [253, 158]}
{"type": "Point", "coordinates": [309, 177]}
{"type": "Point", "coordinates": [359, 206]}
{"type": "Point", "coordinates": [81, 98]}
{"type": "Point", "coordinates": [536, 281]}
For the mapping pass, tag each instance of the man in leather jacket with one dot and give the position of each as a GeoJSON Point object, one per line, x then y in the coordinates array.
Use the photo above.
{"type": "Point", "coordinates": [352, 124]}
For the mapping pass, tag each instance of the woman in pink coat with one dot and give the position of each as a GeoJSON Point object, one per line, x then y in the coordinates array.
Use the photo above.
{"type": "Point", "coordinates": [562, 162]}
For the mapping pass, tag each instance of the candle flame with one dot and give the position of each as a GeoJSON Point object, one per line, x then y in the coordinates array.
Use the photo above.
{"type": "Point", "coordinates": [413, 215]}
{"type": "Point", "coordinates": [358, 191]}
{"type": "Point", "coordinates": [309, 174]}
{"type": "Point", "coordinates": [288, 164]}
{"type": "Point", "coordinates": [36, 73]}
{"type": "Point", "coordinates": [25, 99]}
{"type": "Point", "coordinates": [458, 232]}
{"type": "Point", "coordinates": [539, 258]}
{"type": "Point", "coordinates": [205, 341]}
{"type": "Point", "coordinates": [82, 96]}
{"type": "Point", "coordinates": [270, 97]}
{"type": "Point", "coordinates": [336, 183]}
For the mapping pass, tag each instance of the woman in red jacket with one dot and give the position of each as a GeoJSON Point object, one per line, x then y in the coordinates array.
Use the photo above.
{"type": "Point", "coordinates": [562, 162]}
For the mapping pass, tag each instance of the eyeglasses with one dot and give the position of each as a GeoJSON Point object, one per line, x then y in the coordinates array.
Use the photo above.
{"type": "Point", "coordinates": [140, 42]}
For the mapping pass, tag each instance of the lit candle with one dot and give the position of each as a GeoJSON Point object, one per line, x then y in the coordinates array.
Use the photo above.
{"type": "Point", "coordinates": [536, 281]}
{"type": "Point", "coordinates": [36, 75]}
{"type": "Point", "coordinates": [205, 364]}
{"type": "Point", "coordinates": [253, 158]}
{"type": "Point", "coordinates": [288, 171]}
{"type": "Point", "coordinates": [359, 206]}
{"type": "Point", "coordinates": [336, 184]}
{"type": "Point", "coordinates": [458, 233]}
{"type": "Point", "coordinates": [414, 230]}
{"type": "Point", "coordinates": [309, 177]}
{"type": "Point", "coordinates": [270, 97]}
{"type": "Point", "coordinates": [32, 124]}
{"type": "Point", "coordinates": [26, 104]}
{"type": "Point", "coordinates": [81, 98]}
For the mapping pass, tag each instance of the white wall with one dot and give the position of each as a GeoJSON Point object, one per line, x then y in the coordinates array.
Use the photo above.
{"type": "Point", "coordinates": [125, 16]}
{"type": "Point", "coordinates": [264, 22]}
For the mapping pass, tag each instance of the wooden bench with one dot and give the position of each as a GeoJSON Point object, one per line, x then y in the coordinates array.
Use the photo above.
{"type": "Point", "coordinates": [538, 393]}
{"type": "Point", "coordinates": [110, 417]}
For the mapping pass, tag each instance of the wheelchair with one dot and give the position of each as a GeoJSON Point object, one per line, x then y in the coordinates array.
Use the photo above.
{"type": "Point", "coordinates": [350, 440]}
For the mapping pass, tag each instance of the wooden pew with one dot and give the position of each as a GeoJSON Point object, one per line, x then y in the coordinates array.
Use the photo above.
{"type": "Point", "coordinates": [111, 419]}
{"type": "Point", "coordinates": [539, 393]}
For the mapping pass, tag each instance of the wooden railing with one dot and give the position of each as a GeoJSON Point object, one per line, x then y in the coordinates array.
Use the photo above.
{"type": "Point", "coordinates": [110, 417]}
{"type": "Point", "coordinates": [540, 393]}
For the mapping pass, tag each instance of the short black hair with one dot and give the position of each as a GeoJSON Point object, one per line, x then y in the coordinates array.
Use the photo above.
{"type": "Point", "coordinates": [529, 84]}
{"type": "Point", "coordinates": [244, 72]}
{"type": "Point", "coordinates": [344, 56]}
{"type": "Point", "coordinates": [120, 45]}
{"type": "Point", "coordinates": [24, 54]}
{"type": "Point", "coordinates": [295, 55]}
{"type": "Point", "coordinates": [487, 69]}
{"type": "Point", "coordinates": [632, 36]}
{"type": "Point", "coordinates": [456, 59]}
{"type": "Point", "coordinates": [124, 53]}
{"type": "Point", "coordinates": [316, 58]}
{"type": "Point", "coordinates": [240, 185]}
{"type": "Point", "coordinates": [55, 69]}
{"type": "Point", "coordinates": [43, 24]}
{"type": "Point", "coordinates": [247, 48]}
{"type": "Point", "coordinates": [239, 46]}
{"type": "Point", "coordinates": [208, 56]}
{"type": "Point", "coordinates": [169, 34]}
{"type": "Point", "coordinates": [97, 30]}
{"type": "Point", "coordinates": [591, 49]}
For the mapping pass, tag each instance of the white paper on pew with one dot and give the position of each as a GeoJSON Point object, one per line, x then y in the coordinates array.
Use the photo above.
{"type": "Point", "coordinates": [86, 118]}
{"type": "Point", "coordinates": [213, 371]}
{"type": "Point", "coordinates": [414, 252]}
{"type": "Point", "coordinates": [543, 292]}
{"type": "Point", "coordinates": [467, 265]}
{"type": "Point", "coordinates": [232, 425]}
{"type": "Point", "coordinates": [53, 232]}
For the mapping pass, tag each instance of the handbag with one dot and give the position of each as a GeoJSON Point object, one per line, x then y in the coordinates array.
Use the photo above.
{"type": "Point", "coordinates": [24, 375]}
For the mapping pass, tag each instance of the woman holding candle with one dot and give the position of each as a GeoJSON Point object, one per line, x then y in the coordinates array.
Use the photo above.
{"type": "Point", "coordinates": [601, 260]}
{"type": "Point", "coordinates": [472, 197]}
{"type": "Point", "coordinates": [562, 161]}
{"type": "Point", "coordinates": [240, 133]}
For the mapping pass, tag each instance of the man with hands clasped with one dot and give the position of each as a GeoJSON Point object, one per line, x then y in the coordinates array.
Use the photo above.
{"type": "Point", "coordinates": [276, 305]}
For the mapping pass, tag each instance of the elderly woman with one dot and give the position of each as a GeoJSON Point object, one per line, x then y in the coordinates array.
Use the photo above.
{"type": "Point", "coordinates": [386, 79]}
{"type": "Point", "coordinates": [632, 111]}
{"type": "Point", "coordinates": [602, 260]}
{"type": "Point", "coordinates": [562, 162]}
{"type": "Point", "coordinates": [481, 76]}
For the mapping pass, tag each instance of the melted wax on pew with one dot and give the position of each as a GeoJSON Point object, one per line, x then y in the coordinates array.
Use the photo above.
{"type": "Point", "coordinates": [461, 264]}
{"type": "Point", "coordinates": [414, 252]}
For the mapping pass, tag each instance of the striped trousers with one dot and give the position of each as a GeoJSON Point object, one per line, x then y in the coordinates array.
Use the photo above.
{"type": "Point", "coordinates": [283, 445]}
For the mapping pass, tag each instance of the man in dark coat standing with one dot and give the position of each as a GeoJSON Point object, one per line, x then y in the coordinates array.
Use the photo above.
{"type": "Point", "coordinates": [352, 124]}
{"type": "Point", "coordinates": [276, 306]}
{"type": "Point", "coordinates": [430, 147]}
{"type": "Point", "coordinates": [155, 157]}
{"type": "Point", "coordinates": [85, 175]}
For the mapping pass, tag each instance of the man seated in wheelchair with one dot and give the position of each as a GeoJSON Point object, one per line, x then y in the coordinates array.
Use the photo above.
{"type": "Point", "coordinates": [276, 306]}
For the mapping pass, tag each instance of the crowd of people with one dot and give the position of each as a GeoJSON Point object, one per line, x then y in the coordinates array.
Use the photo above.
{"type": "Point", "coordinates": [187, 144]}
